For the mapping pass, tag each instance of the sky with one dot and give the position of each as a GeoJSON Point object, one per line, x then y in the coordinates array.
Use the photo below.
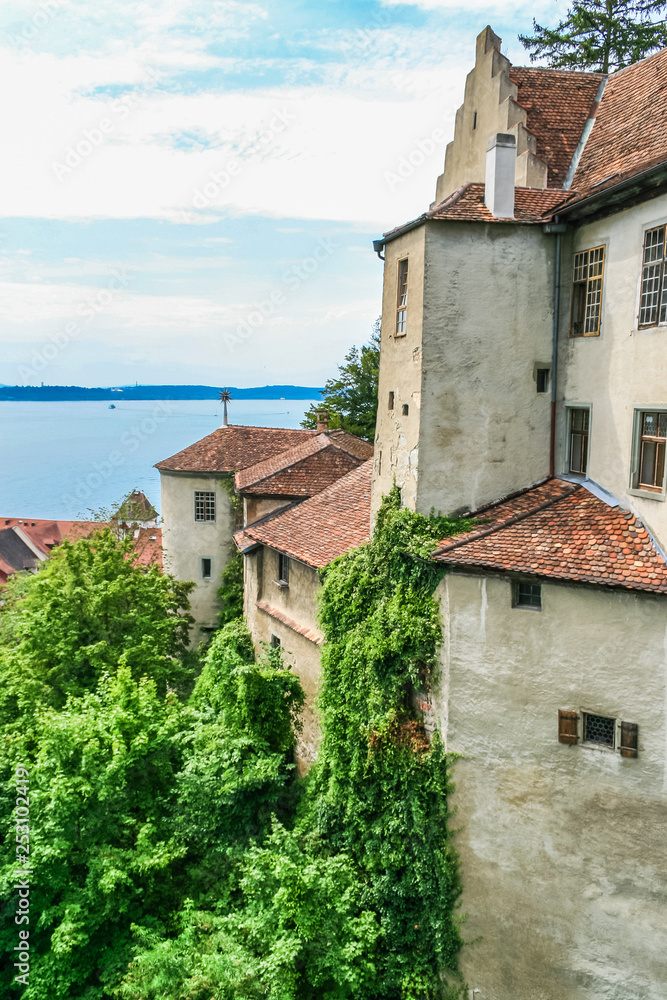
{"type": "Point", "coordinates": [190, 188]}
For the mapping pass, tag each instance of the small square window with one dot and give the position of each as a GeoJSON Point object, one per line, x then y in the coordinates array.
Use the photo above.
{"type": "Point", "coordinates": [204, 505]}
{"type": "Point", "coordinates": [542, 379]}
{"type": "Point", "coordinates": [599, 729]}
{"type": "Point", "coordinates": [206, 569]}
{"type": "Point", "coordinates": [406, 409]}
{"type": "Point", "coordinates": [274, 641]}
{"type": "Point", "coordinates": [527, 595]}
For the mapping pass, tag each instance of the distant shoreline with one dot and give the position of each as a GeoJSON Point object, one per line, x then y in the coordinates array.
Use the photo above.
{"type": "Point", "coordinates": [117, 394]}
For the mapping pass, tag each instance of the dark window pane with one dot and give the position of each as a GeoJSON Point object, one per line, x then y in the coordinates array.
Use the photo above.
{"type": "Point", "coordinates": [527, 595]}
{"type": "Point", "coordinates": [599, 729]}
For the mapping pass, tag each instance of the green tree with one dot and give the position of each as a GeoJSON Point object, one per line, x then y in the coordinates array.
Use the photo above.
{"type": "Point", "coordinates": [351, 399]}
{"type": "Point", "coordinates": [601, 35]}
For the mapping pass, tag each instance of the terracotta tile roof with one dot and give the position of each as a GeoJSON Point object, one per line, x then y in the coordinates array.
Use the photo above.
{"type": "Point", "coordinates": [560, 530]}
{"type": "Point", "coordinates": [467, 205]}
{"type": "Point", "coordinates": [313, 634]}
{"type": "Point", "coordinates": [558, 103]}
{"type": "Point", "coordinates": [629, 133]}
{"type": "Point", "coordinates": [306, 469]}
{"type": "Point", "coordinates": [232, 448]}
{"type": "Point", "coordinates": [321, 528]}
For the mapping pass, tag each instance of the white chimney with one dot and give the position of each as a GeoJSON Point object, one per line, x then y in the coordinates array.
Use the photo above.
{"type": "Point", "coordinates": [500, 170]}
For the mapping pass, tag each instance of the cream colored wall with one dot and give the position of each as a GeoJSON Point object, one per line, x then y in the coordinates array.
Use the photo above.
{"type": "Point", "coordinates": [397, 436]}
{"type": "Point", "coordinates": [185, 541]}
{"type": "Point", "coordinates": [563, 850]}
{"type": "Point", "coordinates": [487, 322]}
{"type": "Point", "coordinates": [621, 369]}
{"type": "Point", "coordinates": [256, 507]}
{"type": "Point", "coordinates": [490, 94]}
{"type": "Point", "coordinates": [299, 602]}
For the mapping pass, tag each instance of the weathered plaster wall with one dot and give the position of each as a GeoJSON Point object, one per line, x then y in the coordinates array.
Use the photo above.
{"type": "Point", "coordinates": [397, 436]}
{"type": "Point", "coordinates": [622, 369]}
{"type": "Point", "coordinates": [298, 601]}
{"type": "Point", "coordinates": [256, 507]}
{"type": "Point", "coordinates": [563, 848]}
{"type": "Point", "coordinates": [186, 541]}
{"type": "Point", "coordinates": [489, 106]}
{"type": "Point", "coordinates": [487, 322]}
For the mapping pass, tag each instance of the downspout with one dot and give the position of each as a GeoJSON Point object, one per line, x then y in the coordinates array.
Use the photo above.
{"type": "Point", "coordinates": [558, 228]}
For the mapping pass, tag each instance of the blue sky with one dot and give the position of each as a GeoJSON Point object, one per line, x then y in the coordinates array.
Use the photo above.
{"type": "Point", "coordinates": [191, 187]}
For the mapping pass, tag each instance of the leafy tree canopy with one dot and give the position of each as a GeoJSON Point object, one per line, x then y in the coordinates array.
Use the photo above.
{"type": "Point", "coordinates": [601, 35]}
{"type": "Point", "coordinates": [351, 399]}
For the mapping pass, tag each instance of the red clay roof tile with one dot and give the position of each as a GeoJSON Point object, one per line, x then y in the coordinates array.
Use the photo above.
{"type": "Point", "coordinates": [306, 469]}
{"type": "Point", "coordinates": [229, 449]}
{"type": "Point", "coordinates": [467, 205]}
{"type": "Point", "coordinates": [560, 530]}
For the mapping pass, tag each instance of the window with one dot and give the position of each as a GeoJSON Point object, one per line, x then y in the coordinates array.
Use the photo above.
{"type": "Point", "coordinates": [650, 438]}
{"type": "Point", "coordinates": [391, 401]}
{"type": "Point", "coordinates": [578, 441]}
{"type": "Point", "coordinates": [527, 595]}
{"type": "Point", "coordinates": [602, 731]}
{"type": "Point", "coordinates": [653, 302]}
{"type": "Point", "coordinates": [204, 506]}
{"type": "Point", "coordinates": [474, 120]}
{"type": "Point", "coordinates": [406, 409]}
{"type": "Point", "coordinates": [542, 378]}
{"type": "Point", "coordinates": [402, 300]}
{"type": "Point", "coordinates": [206, 569]}
{"type": "Point", "coordinates": [283, 570]}
{"type": "Point", "coordinates": [599, 729]}
{"type": "Point", "coordinates": [274, 641]}
{"type": "Point", "coordinates": [587, 293]}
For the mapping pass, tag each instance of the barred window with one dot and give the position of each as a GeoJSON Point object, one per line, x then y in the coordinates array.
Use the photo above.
{"type": "Point", "coordinates": [402, 299]}
{"type": "Point", "coordinates": [653, 302]}
{"type": "Point", "coordinates": [587, 293]}
{"type": "Point", "coordinates": [204, 505]}
{"type": "Point", "coordinates": [649, 464]}
{"type": "Point", "coordinates": [599, 729]}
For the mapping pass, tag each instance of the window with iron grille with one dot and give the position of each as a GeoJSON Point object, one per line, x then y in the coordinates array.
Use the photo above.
{"type": "Point", "coordinates": [579, 420]}
{"type": "Point", "coordinates": [653, 301]}
{"type": "Point", "coordinates": [402, 299]}
{"type": "Point", "coordinates": [204, 505]}
{"type": "Point", "coordinates": [649, 456]}
{"type": "Point", "coordinates": [599, 729]}
{"type": "Point", "coordinates": [587, 275]}
{"type": "Point", "coordinates": [526, 595]}
{"type": "Point", "coordinates": [283, 569]}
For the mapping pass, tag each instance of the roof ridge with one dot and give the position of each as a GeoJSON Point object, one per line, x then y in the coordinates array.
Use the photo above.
{"type": "Point", "coordinates": [564, 72]}
{"type": "Point", "coordinates": [514, 519]}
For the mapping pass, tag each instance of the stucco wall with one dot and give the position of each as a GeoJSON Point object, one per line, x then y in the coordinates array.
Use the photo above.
{"type": "Point", "coordinates": [563, 848]}
{"type": "Point", "coordinates": [622, 369]}
{"type": "Point", "coordinates": [397, 436]}
{"type": "Point", "coordinates": [256, 507]}
{"type": "Point", "coordinates": [487, 322]}
{"type": "Point", "coordinates": [298, 601]}
{"type": "Point", "coordinates": [186, 541]}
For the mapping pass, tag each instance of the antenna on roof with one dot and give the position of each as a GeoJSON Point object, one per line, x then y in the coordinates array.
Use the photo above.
{"type": "Point", "coordinates": [225, 397]}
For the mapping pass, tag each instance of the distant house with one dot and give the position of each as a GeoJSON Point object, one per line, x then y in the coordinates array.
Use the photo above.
{"type": "Point", "coordinates": [136, 511]}
{"type": "Point", "coordinates": [26, 542]}
{"type": "Point", "coordinates": [233, 477]}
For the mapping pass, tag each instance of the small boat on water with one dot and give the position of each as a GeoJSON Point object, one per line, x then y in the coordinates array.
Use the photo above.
{"type": "Point", "coordinates": [112, 406]}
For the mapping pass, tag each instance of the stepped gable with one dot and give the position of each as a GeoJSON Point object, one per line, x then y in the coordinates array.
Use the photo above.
{"type": "Point", "coordinates": [229, 449]}
{"type": "Point", "coordinates": [626, 137]}
{"type": "Point", "coordinates": [467, 205]}
{"type": "Point", "coordinates": [560, 530]}
{"type": "Point", "coordinates": [319, 529]}
{"type": "Point", "coordinates": [306, 469]}
{"type": "Point", "coordinates": [557, 103]}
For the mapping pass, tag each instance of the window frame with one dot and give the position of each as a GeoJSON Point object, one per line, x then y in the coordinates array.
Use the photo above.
{"type": "Point", "coordinates": [587, 282]}
{"type": "Point", "coordinates": [401, 325]}
{"type": "Point", "coordinates": [661, 292]}
{"type": "Point", "coordinates": [202, 560]}
{"type": "Point", "coordinates": [206, 494]}
{"type": "Point", "coordinates": [570, 409]}
{"type": "Point", "coordinates": [518, 603]}
{"type": "Point", "coordinates": [637, 488]}
{"type": "Point", "coordinates": [283, 570]}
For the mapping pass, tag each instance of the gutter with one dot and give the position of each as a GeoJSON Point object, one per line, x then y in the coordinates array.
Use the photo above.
{"type": "Point", "coordinates": [572, 210]}
{"type": "Point", "coordinates": [379, 245]}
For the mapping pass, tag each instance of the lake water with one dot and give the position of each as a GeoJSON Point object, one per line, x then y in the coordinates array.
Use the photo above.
{"type": "Point", "coordinates": [60, 460]}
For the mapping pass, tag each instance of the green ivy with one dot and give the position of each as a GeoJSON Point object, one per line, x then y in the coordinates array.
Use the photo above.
{"type": "Point", "coordinates": [379, 790]}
